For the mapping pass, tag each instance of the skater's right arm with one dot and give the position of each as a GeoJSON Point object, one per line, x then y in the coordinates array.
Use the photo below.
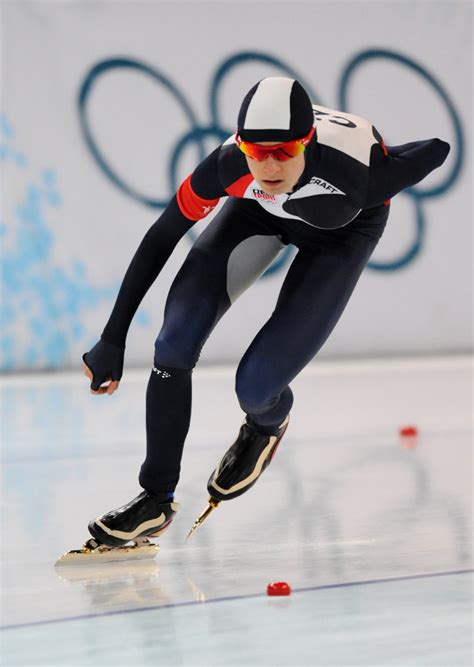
{"type": "Point", "coordinates": [195, 199]}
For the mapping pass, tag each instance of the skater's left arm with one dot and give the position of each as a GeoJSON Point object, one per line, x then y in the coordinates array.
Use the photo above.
{"type": "Point", "coordinates": [394, 168]}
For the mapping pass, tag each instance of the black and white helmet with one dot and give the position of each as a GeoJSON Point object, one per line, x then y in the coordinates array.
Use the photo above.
{"type": "Point", "coordinates": [275, 109]}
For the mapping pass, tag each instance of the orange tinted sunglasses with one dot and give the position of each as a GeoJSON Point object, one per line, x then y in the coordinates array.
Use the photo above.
{"type": "Point", "coordinates": [282, 152]}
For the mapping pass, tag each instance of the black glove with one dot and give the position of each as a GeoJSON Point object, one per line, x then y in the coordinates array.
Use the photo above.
{"type": "Point", "coordinates": [105, 361]}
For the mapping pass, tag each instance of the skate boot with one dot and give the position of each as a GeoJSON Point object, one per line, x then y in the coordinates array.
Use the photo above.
{"type": "Point", "coordinates": [142, 517]}
{"type": "Point", "coordinates": [244, 462]}
{"type": "Point", "coordinates": [240, 467]}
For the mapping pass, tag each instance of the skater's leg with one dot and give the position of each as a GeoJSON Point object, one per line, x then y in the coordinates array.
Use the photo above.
{"type": "Point", "coordinates": [231, 254]}
{"type": "Point", "coordinates": [168, 413]}
{"type": "Point", "coordinates": [314, 294]}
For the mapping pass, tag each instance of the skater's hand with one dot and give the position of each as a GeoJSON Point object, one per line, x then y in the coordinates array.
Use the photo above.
{"type": "Point", "coordinates": [104, 364]}
{"type": "Point", "coordinates": [107, 389]}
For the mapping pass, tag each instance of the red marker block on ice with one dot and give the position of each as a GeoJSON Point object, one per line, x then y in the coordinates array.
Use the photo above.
{"type": "Point", "coordinates": [278, 588]}
{"type": "Point", "coordinates": [409, 437]}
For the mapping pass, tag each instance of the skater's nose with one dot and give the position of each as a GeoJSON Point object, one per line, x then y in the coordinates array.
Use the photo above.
{"type": "Point", "coordinates": [271, 166]}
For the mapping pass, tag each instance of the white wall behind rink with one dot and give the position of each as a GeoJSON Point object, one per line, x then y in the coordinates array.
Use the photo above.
{"type": "Point", "coordinates": [69, 232]}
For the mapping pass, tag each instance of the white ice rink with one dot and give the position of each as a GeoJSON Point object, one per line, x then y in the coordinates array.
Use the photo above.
{"type": "Point", "coordinates": [374, 535]}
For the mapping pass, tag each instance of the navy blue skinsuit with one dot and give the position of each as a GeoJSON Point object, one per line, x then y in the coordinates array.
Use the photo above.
{"type": "Point", "coordinates": [335, 216]}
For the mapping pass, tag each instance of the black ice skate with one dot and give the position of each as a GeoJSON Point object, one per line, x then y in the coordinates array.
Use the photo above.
{"type": "Point", "coordinates": [244, 462]}
{"type": "Point", "coordinates": [124, 532]}
{"type": "Point", "coordinates": [240, 467]}
{"type": "Point", "coordinates": [143, 516]}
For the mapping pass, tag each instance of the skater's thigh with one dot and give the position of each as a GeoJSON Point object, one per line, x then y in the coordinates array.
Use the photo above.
{"type": "Point", "coordinates": [313, 296]}
{"type": "Point", "coordinates": [231, 253]}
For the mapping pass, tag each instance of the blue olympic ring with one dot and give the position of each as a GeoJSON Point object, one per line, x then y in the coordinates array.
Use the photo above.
{"type": "Point", "coordinates": [198, 133]}
{"type": "Point", "coordinates": [84, 92]}
{"type": "Point", "coordinates": [415, 193]}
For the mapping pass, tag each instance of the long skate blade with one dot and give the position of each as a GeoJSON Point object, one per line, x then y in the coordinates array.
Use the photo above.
{"type": "Point", "coordinates": [140, 550]}
{"type": "Point", "coordinates": [212, 505]}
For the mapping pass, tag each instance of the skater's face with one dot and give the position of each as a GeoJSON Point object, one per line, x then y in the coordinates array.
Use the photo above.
{"type": "Point", "coordinates": [276, 176]}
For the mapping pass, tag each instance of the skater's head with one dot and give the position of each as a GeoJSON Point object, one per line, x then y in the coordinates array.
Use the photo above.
{"type": "Point", "coordinates": [274, 126]}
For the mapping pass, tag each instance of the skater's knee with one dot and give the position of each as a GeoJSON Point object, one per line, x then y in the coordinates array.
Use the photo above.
{"type": "Point", "coordinates": [185, 329]}
{"type": "Point", "coordinates": [172, 350]}
{"type": "Point", "coordinates": [253, 390]}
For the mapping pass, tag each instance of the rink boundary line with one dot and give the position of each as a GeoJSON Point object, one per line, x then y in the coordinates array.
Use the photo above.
{"type": "Point", "coordinates": [320, 368]}
{"type": "Point", "coordinates": [191, 603]}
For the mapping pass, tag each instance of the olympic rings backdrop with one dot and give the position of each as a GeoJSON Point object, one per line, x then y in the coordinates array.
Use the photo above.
{"type": "Point", "coordinates": [95, 142]}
